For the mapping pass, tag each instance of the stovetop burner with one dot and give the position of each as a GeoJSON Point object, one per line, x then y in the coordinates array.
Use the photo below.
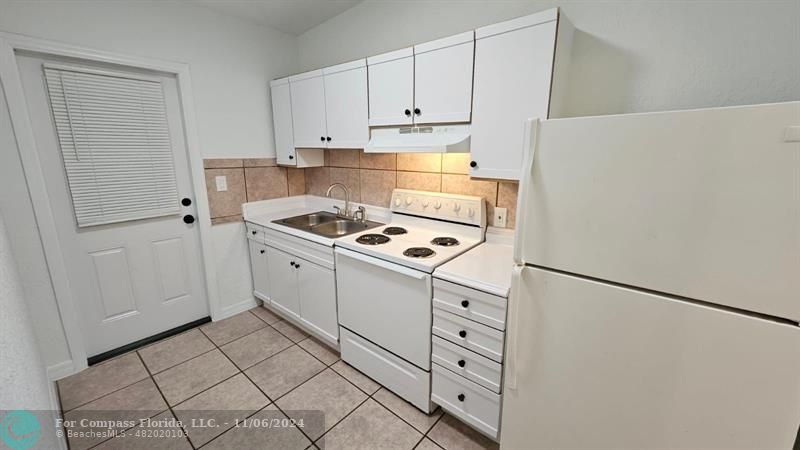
{"type": "Point", "coordinates": [419, 252]}
{"type": "Point", "coordinates": [372, 239]}
{"type": "Point", "coordinates": [445, 241]}
{"type": "Point", "coordinates": [393, 231]}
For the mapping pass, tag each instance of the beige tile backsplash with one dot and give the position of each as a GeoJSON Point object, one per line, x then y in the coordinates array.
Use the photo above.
{"type": "Point", "coordinates": [370, 177]}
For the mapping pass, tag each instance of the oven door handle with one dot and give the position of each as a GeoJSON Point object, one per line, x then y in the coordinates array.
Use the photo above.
{"type": "Point", "coordinates": [383, 264]}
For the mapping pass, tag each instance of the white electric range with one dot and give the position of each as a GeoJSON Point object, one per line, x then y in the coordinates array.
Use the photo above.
{"type": "Point", "coordinates": [384, 286]}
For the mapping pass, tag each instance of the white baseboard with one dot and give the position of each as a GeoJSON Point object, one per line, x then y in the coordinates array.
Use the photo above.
{"type": "Point", "coordinates": [55, 406]}
{"type": "Point", "coordinates": [60, 370]}
{"type": "Point", "coordinates": [238, 307]}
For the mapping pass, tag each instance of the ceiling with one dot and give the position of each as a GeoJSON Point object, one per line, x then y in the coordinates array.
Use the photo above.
{"type": "Point", "coordinates": [290, 16]}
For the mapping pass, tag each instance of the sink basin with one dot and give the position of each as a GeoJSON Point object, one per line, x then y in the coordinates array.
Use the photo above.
{"type": "Point", "coordinates": [326, 224]}
{"type": "Point", "coordinates": [342, 227]}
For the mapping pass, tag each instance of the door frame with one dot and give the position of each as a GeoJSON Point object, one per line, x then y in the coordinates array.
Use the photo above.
{"type": "Point", "coordinates": [11, 83]}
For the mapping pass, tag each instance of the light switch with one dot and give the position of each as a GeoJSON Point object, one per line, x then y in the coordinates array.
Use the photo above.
{"type": "Point", "coordinates": [222, 183]}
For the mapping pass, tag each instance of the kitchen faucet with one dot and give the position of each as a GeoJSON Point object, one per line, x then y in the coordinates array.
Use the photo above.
{"type": "Point", "coordinates": [347, 214]}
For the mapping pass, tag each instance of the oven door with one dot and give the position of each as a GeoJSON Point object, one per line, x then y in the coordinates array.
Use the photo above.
{"type": "Point", "coordinates": [386, 303]}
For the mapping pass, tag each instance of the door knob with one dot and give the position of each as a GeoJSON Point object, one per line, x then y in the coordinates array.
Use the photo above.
{"type": "Point", "coordinates": [186, 201]}
{"type": "Point", "coordinates": [188, 218]}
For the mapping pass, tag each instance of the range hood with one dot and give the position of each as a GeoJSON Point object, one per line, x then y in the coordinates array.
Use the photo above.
{"type": "Point", "coordinates": [427, 139]}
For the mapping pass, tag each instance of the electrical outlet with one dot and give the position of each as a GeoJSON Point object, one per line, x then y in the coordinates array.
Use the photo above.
{"type": "Point", "coordinates": [500, 215]}
{"type": "Point", "coordinates": [222, 183]}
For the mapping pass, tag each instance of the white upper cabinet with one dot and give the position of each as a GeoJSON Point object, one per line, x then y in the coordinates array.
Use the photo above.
{"type": "Point", "coordinates": [515, 79]}
{"type": "Point", "coordinates": [443, 79]}
{"type": "Point", "coordinates": [308, 109]}
{"type": "Point", "coordinates": [391, 88]}
{"type": "Point", "coordinates": [282, 121]}
{"type": "Point", "coordinates": [346, 108]}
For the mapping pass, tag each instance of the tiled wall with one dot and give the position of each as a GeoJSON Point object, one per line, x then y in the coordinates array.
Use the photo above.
{"type": "Point", "coordinates": [370, 177]}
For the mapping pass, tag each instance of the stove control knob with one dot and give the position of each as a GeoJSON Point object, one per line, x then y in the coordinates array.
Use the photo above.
{"type": "Point", "coordinates": [409, 200]}
{"type": "Point", "coordinates": [425, 203]}
{"type": "Point", "coordinates": [397, 201]}
{"type": "Point", "coordinates": [437, 205]}
{"type": "Point", "coordinates": [471, 212]}
{"type": "Point", "coordinates": [456, 207]}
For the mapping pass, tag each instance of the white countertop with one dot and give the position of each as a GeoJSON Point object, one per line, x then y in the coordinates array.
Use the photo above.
{"type": "Point", "coordinates": [486, 267]}
{"type": "Point", "coordinates": [265, 211]}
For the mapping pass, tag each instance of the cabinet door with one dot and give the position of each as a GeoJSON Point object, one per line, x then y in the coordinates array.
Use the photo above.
{"type": "Point", "coordinates": [283, 281]}
{"type": "Point", "coordinates": [391, 88]}
{"type": "Point", "coordinates": [512, 84]}
{"type": "Point", "coordinates": [317, 292]}
{"type": "Point", "coordinates": [346, 105]}
{"type": "Point", "coordinates": [308, 109]}
{"type": "Point", "coordinates": [282, 121]}
{"type": "Point", "coordinates": [443, 79]}
{"type": "Point", "coordinates": [258, 267]}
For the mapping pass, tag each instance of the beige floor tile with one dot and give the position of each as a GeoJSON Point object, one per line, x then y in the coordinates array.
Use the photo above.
{"type": "Point", "coordinates": [327, 392]}
{"type": "Point", "coordinates": [427, 444]}
{"type": "Point", "coordinates": [256, 347]}
{"type": "Point", "coordinates": [408, 412]}
{"type": "Point", "coordinates": [100, 380]}
{"type": "Point", "coordinates": [234, 398]}
{"type": "Point", "coordinates": [175, 350]}
{"type": "Point", "coordinates": [284, 371]}
{"type": "Point", "coordinates": [232, 328]}
{"type": "Point", "coordinates": [320, 350]}
{"type": "Point", "coordinates": [194, 376]}
{"type": "Point", "coordinates": [371, 426]}
{"type": "Point", "coordinates": [352, 374]}
{"type": "Point", "coordinates": [451, 433]}
{"type": "Point", "coordinates": [290, 331]}
{"type": "Point", "coordinates": [137, 401]}
{"type": "Point", "coordinates": [160, 433]}
{"type": "Point", "coordinates": [265, 314]}
{"type": "Point", "coordinates": [283, 438]}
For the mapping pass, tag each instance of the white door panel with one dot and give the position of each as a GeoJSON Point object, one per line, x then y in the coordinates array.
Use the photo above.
{"type": "Point", "coordinates": [391, 88]}
{"type": "Point", "coordinates": [131, 279]}
{"type": "Point", "coordinates": [703, 204]}
{"type": "Point", "coordinates": [592, 365]}
{"type": "Point", "coordinates": [308, 110]}
{"type": "Point", "coordinates": [282, 122]}
{"type": "Point", "coordinates": [346, 107]}
{"type": "Point", "coordinates": [443, 82]}
{"type": "Point", "coordinates": [283, 281]}
{"type": "Point", "coordinates": [317, 293]}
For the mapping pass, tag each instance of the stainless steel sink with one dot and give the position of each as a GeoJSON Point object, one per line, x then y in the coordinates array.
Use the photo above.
{"type": "Point", "coordinates": [323, 223]}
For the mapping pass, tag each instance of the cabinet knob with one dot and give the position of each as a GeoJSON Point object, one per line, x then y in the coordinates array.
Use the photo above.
{"type": "Point", "coordinates": [291, 263]}
{"type": "Point", "coordinates": [465, 303]}
{"type": "Point", "coordinates": [461, 397]}
{"type": "Point", "coordinates": [322, 138]}
{"type": "Point", "coordinates": [417, 111]}
{"type": "Point", "coordinates": [296, 266]}
{"type": "Point", "coordinates": [186, 201]}
{"type": "Point", "coordinates": [408, 113]}
{"type": "Point", "coordinates": [291, 156]}
{"type": "Point", "coordinates": [461, 363]}
{"type": "Point", "coordinates": [462, 333]}
{"type": "Point", "coordinates": [262, 251]}
{"type": "Point", "coordinates": [188, 219]}
{"type": "Point", "coordinates": [254, 232]}
{"type": "Point", "coordinates": [473, 164]}
{"type": "Point", "coordinates": [328, 139]}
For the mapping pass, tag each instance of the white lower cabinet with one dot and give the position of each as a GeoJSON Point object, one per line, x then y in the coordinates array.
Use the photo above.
{"type": "Point", "coordinates": [466, 400]}
{"type": "Point", "coordinates": [258, 267]}
{"type": "Point", "coordinates": [305, 292]}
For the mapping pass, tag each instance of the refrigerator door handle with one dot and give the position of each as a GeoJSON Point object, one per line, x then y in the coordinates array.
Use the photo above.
{"type": "Point", "coordinates": [512, 362]}
{"type": "Point", "coordinates": [525, 183]}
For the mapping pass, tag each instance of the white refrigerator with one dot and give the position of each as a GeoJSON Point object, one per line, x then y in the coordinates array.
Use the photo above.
{"type": "Point", "coordinates": [656, 296]}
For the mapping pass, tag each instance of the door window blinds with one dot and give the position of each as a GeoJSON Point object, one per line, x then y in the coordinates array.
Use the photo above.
{"type": "Point", "coordinates": [114, 137]}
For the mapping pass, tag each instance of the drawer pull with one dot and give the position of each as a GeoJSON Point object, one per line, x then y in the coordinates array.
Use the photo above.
{"type": "Point", "coordinates": [462, 333]}
{"type": "Point", "coordinates": [465, 303]}
{"type": "Point", "coordinates": [461, 397]}
{"type": "Point", "coordinates": [461, 363]}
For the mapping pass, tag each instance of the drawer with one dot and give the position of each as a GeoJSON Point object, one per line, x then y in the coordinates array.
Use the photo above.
{"type": "Point", "coordinates": [479, 306]}
{"type": "Point", "coordinates": [467, 363]}
{"type": "Point", "coordinates": [471, 335]}
{"type": "Point", "coordinates": [255, 232]}
{"type": "Point", "coordinates": [403, 378]}
{"type": "Point", "coordinates": [466, 400]}
{"type": "Point", "coordinates": [318, 254]}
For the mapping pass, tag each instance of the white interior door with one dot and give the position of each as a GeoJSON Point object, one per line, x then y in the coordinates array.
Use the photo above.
{"type": "Point", "coordinates": [134, 278]}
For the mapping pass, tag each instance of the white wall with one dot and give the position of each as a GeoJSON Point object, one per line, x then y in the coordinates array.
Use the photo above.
{"type": "Point", "coordinates": [231, 62]}
{"type": "Point", "coordinates": [629, 56]}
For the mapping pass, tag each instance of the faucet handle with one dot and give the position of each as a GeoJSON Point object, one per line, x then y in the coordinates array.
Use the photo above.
{"type": "Point", "coordinates": [363, 214]}
{"type": "Point", "coordinates": [338, 210]}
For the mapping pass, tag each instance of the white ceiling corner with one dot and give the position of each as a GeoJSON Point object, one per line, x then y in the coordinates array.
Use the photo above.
{"type": "Point", "coordinates": [290, 16]}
